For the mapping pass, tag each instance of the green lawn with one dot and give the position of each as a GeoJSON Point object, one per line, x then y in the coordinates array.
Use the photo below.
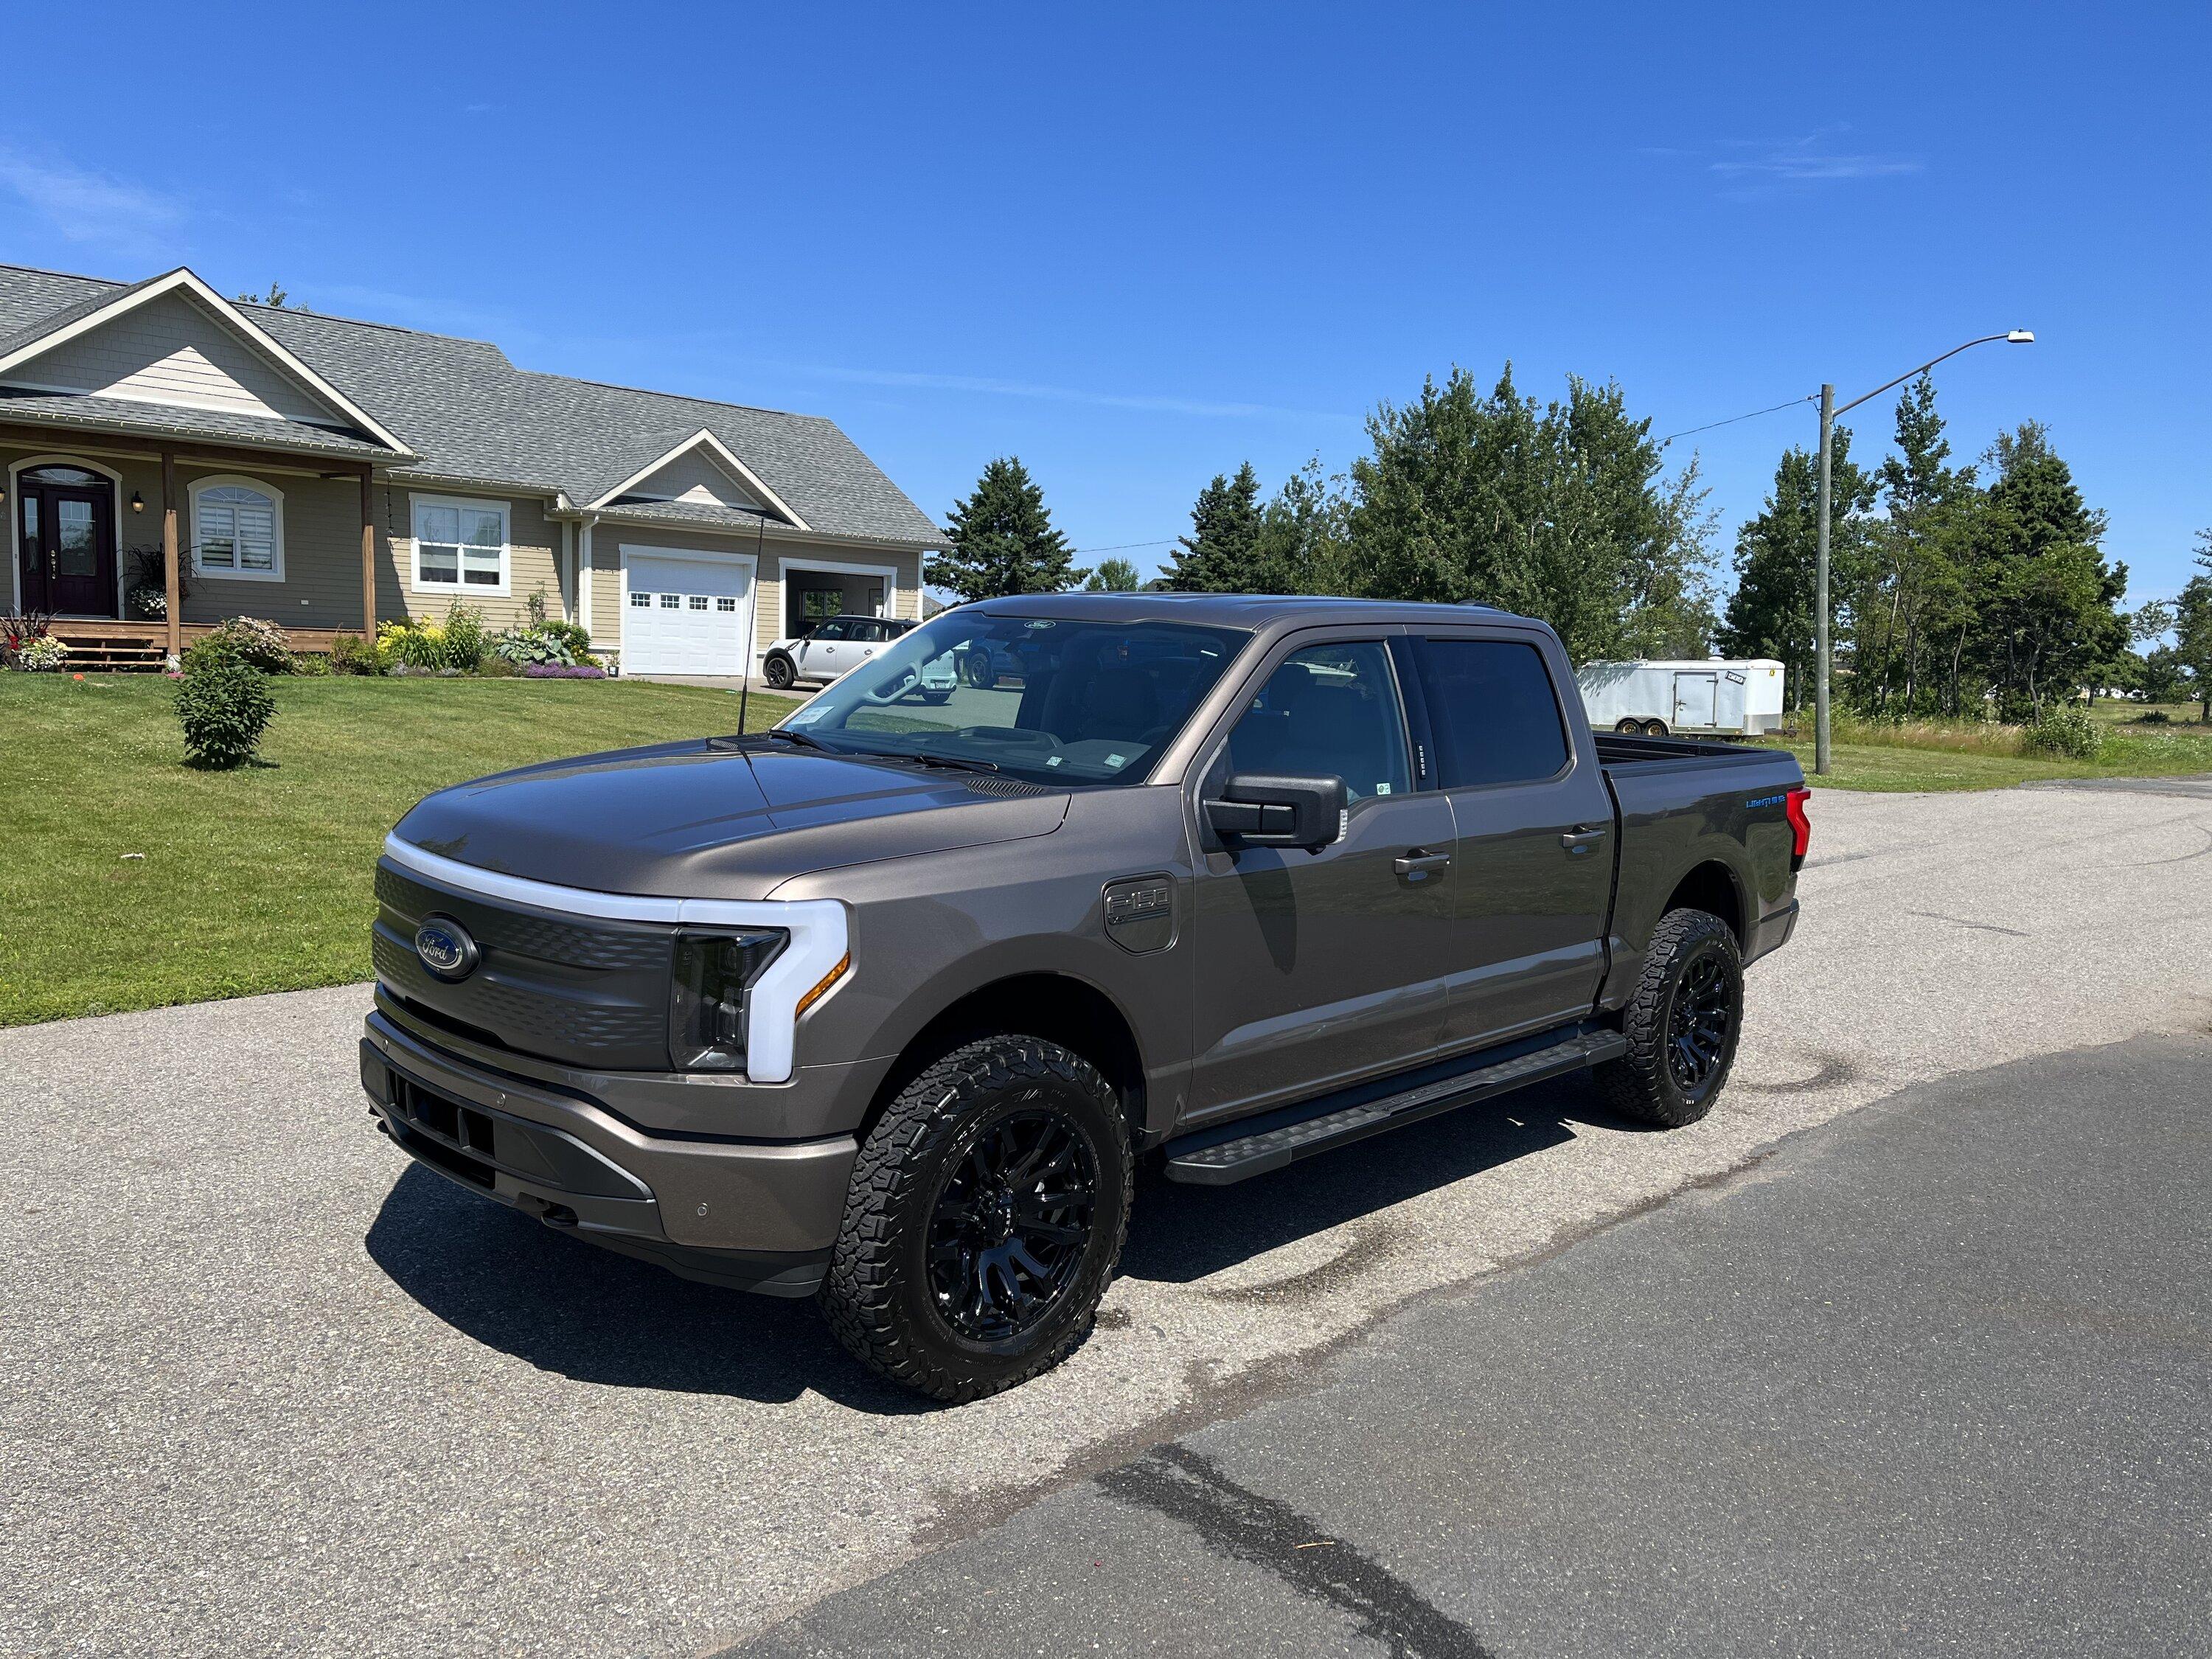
{"type": "Point", "coordinates": [259, 879]}
{"type": "Point", "coordinates": [1959, 757]}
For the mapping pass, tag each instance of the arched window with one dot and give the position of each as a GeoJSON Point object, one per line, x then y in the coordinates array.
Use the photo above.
{"type": "Point", "coordinates": [237, 529]}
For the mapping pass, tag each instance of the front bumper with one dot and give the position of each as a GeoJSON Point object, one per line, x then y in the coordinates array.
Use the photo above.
{"type": "Point", "coordinates": [756, 1215]}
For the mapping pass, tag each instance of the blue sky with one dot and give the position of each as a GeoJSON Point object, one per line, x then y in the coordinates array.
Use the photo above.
{"type": "Point", "coordinates": [1135, 245]}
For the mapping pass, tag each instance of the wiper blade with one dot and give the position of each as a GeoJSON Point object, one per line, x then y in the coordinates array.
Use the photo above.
{"type": "Point", "coordinates": [949, 762]}
{"type": "Point", "coordinates": [745, 740]}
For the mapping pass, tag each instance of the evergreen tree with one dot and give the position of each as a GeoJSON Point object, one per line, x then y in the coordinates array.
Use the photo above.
{"type": "Point", "coordinates": [1917, 594]}
{"type": "Point", "coordinates": [2192, 628]}
{"type": "Point", "coordinates": [1216, 556]}
{"type": "Point", "coordinates": [2048, 620]}
{"type": "Point", "coordinates": [1001, 541]}
{"type": "Point", "coordinates": [1113, 576]}
{"type": "Point", "coordinates": [1772, 611]}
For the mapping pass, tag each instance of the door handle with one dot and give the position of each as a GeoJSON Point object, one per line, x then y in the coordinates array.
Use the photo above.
{"type": "Point", "coordinates": [1415, 867]}
{"type": "Point", "coordinates": [1578, 841]}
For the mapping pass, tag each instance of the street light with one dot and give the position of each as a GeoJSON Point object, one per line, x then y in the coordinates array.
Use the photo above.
{"type": "Point", "coordinates": [1828, 413]}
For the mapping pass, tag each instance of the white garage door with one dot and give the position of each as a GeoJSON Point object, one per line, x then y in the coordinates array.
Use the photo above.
{"type": "Point", "coordinates": [686, 615]}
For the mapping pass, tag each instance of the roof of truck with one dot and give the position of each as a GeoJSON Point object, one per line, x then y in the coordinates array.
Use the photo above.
{"type": "Point", "coordinates": [1232, 610]}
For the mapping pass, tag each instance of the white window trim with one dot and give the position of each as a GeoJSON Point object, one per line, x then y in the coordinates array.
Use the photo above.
{"type": "Point", "coordinates": [259, 487]}
{"type": "Point", "coordinates": [461, 590]}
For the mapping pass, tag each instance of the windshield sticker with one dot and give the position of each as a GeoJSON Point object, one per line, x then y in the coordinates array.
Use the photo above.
{"type": "Point", "coordinates": [1382, 788]}
{"type": "Point", "coordinates": [1116, 760]}
{"type": "Point", "coordinates": [806, 716]}
{"type": "Point", "coordinates": [1052, 760]}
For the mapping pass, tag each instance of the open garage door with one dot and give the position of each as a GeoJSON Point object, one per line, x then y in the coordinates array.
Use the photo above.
{"type": "Point", "coordinates": [686, 613]}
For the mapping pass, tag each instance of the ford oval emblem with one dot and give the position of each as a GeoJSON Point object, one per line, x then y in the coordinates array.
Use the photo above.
{"type": "Point", "coordinates": [446, 948]}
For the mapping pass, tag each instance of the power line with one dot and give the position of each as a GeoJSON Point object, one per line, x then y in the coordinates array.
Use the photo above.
{"type": "Point", "coordinates": [1733, 419]}
{"type": "Point", "coordinates": [1123, 547]}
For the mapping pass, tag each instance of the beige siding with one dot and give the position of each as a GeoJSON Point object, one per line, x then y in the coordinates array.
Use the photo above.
{"type": "Point", "coordinates": [694, 476]}
{"type": "Point", "coordinates": [171, 351]}
{"type": "Point", "coordinates": [608, 538]}
{"type": "Point", "coordinates": [533, 558]}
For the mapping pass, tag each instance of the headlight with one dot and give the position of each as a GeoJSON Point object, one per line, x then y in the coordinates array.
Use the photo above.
{"type": "Point", "coordinates": [707, 997]}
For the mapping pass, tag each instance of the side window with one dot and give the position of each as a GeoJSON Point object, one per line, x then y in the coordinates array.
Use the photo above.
{"type": "Point", "coordinates": [834, 628]}
{"type": "Point", "coordinates": [1493, 711]}
{"type": "Point", "coordinates": [1328, 710]}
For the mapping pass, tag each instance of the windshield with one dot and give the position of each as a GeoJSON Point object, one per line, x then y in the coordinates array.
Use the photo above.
{"type": "Point", "coordinates": [1052, 700]}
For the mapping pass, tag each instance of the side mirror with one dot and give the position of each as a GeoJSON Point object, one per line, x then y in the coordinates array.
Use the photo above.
{"type": "Point", "coordinates": [1274, 811]}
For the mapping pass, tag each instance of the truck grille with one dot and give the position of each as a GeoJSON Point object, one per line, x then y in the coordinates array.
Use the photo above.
{"type": "Point", "coordinates": [589, 994]}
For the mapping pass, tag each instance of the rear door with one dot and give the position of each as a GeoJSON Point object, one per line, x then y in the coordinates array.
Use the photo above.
{"type": "Point", "coordinates": [1316, 968]}
{"type": "Point", "coordinates": [1533, 829]}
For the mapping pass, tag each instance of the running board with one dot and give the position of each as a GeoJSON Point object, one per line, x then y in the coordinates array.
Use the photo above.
{"type": "Point", "coordinates": [1237, 1151]}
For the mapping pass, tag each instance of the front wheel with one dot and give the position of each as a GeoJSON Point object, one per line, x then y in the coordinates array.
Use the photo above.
{"type": "Point", "coordinates": [985, 1218]}
{"type": "Point", "coordinates": [778, 672]}
{"type": "Point", "coordinates": [1628, 728]}
{"type": "Point", "coordinates": [1681, 1023]}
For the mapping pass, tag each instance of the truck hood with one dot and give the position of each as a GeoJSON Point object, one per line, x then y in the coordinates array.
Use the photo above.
{"type": "Point", "coordinates": [684, 821]}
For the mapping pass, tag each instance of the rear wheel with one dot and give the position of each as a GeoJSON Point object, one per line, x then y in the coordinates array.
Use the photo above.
{"type": "Point", "coordinates": [1654, 728]}
{"type": "Point", "coordinates": [1681, 1023]}
{"type": "Point", "coordinates": [984, 1220]}
{"type": "Point", "coordinates": [779, 672]}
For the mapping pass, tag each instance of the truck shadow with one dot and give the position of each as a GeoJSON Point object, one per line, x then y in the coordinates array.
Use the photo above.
{"type": "Point", "coordinates": [508, 1282]}
{"type": "Point", "coordinates": [1180, 1234]}
{"type": "Point", "coordinates": [501, 1278]}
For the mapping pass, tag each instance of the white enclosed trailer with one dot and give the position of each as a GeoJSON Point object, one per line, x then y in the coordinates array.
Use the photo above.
{"type": "Point", "coordinates": [1736, 699]}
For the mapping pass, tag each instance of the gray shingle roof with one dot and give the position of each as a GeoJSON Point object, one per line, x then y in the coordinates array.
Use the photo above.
{"type": "Point", "coordinates": [122, 414]}
{"type": "Point", "coordinates": [706, 515]}
{"type": "Point", "coordinates": [471, 415]}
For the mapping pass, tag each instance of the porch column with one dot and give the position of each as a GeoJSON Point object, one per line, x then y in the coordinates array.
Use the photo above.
{"type": "Point", "coordinates": [367, 557]}
{"type": "Point", "coordinates": [171, 579]}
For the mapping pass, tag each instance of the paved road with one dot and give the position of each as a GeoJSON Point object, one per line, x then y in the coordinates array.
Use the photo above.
{"type": "Point", "coordinates": [267, 1389]}
{"type": "Point", "coordinates": [1935, 1377]}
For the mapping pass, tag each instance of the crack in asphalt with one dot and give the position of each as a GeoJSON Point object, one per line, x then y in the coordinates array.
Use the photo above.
{"type": "Point", "coordinates": [1233, 1521]}
{"type": "Point", "coordinates": [1961, 921]}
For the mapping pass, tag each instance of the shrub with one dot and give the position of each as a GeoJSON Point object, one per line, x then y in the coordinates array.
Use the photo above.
{"type": "Point", "coordinates": [2065, 731]}
{"type": "Point", "coordinates": [313, 665]}
{"type": "Point", "coordinates": [465, 637]}
{"type": "Point", "coordinates": [224, 705]}
{"type": "Point", "coordinates": [2154, 717]}
{"type": "Point", "coordinates": [420, 646]}
{"type": "Point", "coordinates": [574, 636]}
{"type": "Point", "coordinates": [529, 645]}
{"type": "Point", "coordinates": [352, 654]}
{"type": "Point", "coordinates": [260, 644]}
{"type": "Point", "coordinates": [212, 648]}
{"type": "Point", "coordinates": [43, 655]}
{"type": "Point", "coordinates": [496, 667]}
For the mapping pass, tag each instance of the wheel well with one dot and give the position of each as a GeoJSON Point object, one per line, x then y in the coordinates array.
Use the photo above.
{"type": "Point", "coordinates": [1709, 887]}
{"type": "Point", "coordinates": [1054, 1006]}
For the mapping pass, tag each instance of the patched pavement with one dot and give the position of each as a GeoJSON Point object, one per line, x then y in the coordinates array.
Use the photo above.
{"type": "Point", "coordinates": [271, 1389]}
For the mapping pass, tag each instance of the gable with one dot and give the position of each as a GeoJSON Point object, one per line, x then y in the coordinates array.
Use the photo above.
{"type": "Point", "coordinates": [694, 477]}
{"type": "Point", "coordinates": [172, 351]}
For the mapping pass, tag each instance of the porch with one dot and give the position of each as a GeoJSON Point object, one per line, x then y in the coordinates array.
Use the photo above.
{"type": "Point", "coordinates": [110, 645]}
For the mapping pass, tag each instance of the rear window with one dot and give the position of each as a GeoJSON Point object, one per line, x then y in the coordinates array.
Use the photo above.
{"type": "Point", "coordinates": [1493, 712]}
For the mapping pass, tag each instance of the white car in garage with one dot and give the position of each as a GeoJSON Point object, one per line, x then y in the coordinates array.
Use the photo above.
{"type": "Point", "coordinates": [837, 645]}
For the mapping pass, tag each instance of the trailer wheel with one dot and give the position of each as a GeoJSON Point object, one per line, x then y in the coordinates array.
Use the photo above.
{"type": "Point", "coordinates": [1628, 728]}
{"type": "Point", "coordinates": [1654, 728]}
{"type": "Point", "coordinates": [1680, 1023]}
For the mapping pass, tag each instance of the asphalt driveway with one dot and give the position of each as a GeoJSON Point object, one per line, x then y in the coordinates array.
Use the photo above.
{"type": "Point", "coordinates": [269, 1390]}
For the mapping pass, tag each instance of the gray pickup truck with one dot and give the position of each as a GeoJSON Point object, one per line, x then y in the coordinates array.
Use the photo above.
{"type": "Point", "coordinates": [886, 1004]}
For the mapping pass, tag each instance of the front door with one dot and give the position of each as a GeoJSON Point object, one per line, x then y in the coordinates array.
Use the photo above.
{"type": "Point", "coordinates": [1320, 969]}
{"type": "Point", "coordinates": [65, 532]}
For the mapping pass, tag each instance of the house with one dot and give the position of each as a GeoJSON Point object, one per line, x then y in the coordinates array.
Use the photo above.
{"type": "Point", "coordinates": [327, 473]}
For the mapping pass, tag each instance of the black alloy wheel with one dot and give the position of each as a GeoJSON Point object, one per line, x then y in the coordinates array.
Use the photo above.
{"type": "Point", "coordinates": [778, 673]}
{"type": "Point", "coordinates": [1010, 1225]}
{"type": "Point", "coordinates": [1698, 1023]}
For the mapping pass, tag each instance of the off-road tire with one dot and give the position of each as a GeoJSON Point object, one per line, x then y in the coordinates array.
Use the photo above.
{"type": "Point", "coordinates": [778, 672]}
{"type": "Point", "coordinates": [1643, 1085]}
{"type": "Point", "coordinates": [877, 1297]}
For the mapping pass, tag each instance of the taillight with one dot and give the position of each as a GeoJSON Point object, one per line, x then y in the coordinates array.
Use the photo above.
{"type": "Point", "coordinates": [1801, 827]}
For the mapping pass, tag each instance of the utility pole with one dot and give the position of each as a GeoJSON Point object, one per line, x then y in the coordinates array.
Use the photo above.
{"type": "Point", "coordinates": [1828, 413]}
{"type": "Point", "coordinates": [1820, 643]}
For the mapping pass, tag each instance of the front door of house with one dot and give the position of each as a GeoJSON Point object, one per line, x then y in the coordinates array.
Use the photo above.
{"type": "Point", "coordinates": [66, 539]}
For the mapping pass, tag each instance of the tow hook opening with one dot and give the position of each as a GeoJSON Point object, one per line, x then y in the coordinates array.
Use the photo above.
{"type": "Point", "coordinates": [552, 1215]}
